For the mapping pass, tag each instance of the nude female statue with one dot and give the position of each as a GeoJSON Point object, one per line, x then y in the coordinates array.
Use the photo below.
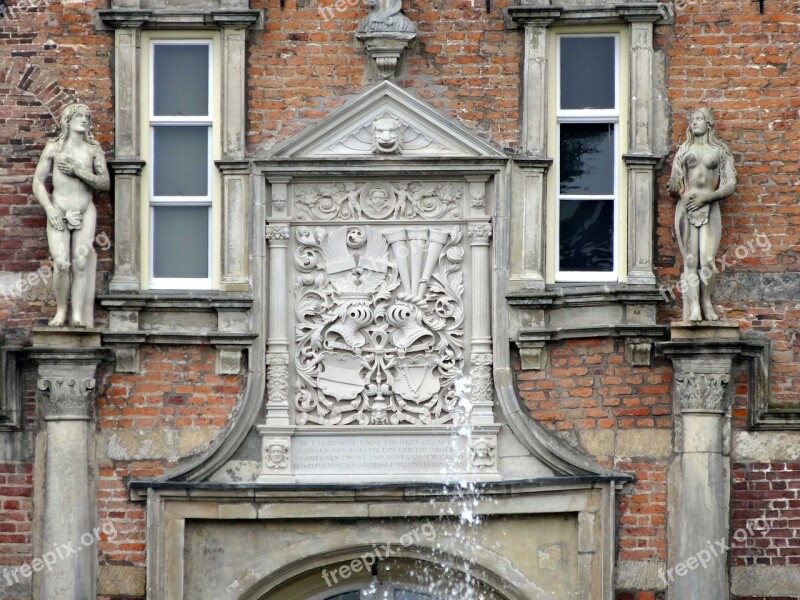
{"type": "Point", "coordinates": [78, 168]}
{"type": "Point", "coordinates": [703, 173]}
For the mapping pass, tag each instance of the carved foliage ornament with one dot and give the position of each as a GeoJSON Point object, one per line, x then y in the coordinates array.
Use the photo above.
{"type": "Point", "coordinates": [277, 378]}
{"type": "Point", "coordinates": [66, 397]}
{"type": "Point", "coordinates": [378, 200]}
{"type": "Point", "coordinates": [701, 391]}
{"type": "Point", "coordinates": [482, 385]}
{"type": "Point", "coordinates": [379, 324]}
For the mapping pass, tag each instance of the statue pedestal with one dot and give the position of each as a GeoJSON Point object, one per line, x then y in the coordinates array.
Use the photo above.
{"type": "Point", "coordinates": [699, 477]}
{"type": "Point", "coordinates": [67, 360]}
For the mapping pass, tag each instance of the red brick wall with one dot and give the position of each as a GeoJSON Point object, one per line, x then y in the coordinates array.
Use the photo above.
{"type": "Point", "coordinates": [766, 497]}
{"type": "Point", "coordinates": [16, 508]}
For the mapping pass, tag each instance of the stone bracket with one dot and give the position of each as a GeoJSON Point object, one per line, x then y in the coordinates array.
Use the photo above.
{"type": "Point", "coordinates": [385, 49]}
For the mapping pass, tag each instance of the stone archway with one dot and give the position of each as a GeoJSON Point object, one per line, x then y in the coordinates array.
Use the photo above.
{"type": "Point", "coordinates": [419, 577]}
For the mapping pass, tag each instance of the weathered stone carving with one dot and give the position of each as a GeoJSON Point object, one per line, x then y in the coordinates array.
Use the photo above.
{"type": "Point", "coordinates": [277, 232]}
{"type": "Point", "coordinates": [703, 174]}
{"type": "Point", "coordinates": [277, 378]}
{"type": "Point", "coordinates": [701, 391]}
{"type": "Point", "coordinates": [378, 200]}
{"type": "Point", "coordinates": [480, 232]}
{"type": "Point", "coordinates": [388, 134]}
{"type": "Point", "coordinates": [385, 17]}
{"type": "Point", "coordinates": [276, 454]}
{"type": "Point", "coordinates": [66, 397]}
{"type": "Point", "coordinates": [482, 383]}
{"type": "Point", "coordinates": [385, 32]}
{"type": "Point", "coordinates": [78, 168]}
{"type": "Point", "coordinates": [379, 324]}
{"type": "Point", "coordinates": [483, 453]}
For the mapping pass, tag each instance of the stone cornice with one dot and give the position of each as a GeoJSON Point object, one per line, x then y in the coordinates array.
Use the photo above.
{"type": "Point", "coordinates": [543, 16]}
{"type": "Point", "coordinates": [179, 19]}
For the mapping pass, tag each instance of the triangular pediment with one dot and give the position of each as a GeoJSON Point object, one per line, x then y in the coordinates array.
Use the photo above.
{"type": "Point", "coordinates": [369, 125]}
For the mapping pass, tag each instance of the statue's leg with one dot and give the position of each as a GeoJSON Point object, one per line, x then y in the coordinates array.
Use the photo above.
{"type": "Point", "coordinates": [688, 243]}
{"type": "Point", "coordinates": [83, 259]}
{"type": "Point", "coordinates": [710, 236]}
{"type": "Point", "coordinates": [58, 241]}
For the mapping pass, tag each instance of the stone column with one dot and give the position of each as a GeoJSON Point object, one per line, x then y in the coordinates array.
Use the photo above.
{"type": "Point", "coordinates": [67, 364]}
{"type": "Point", "coordinates": [481, 342]}
{"type": "Point", "coordinates": [277, 429]}
{"type": "Point", "coordinates": [699, 478]}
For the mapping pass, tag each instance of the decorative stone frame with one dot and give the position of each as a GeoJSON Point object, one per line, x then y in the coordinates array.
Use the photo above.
{"type": "Point", "coordinates": [552, 311]}
{"type": "Point", "coordinates": [10, 387]}
{"type": "Point", "coordinates": [354, 517]}
{"type": "Point", "coordinates": [226, 323]}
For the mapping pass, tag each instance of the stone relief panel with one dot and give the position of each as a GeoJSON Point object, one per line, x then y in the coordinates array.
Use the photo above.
{"type": "Point", "coordinates": [379, 323]}
{"type": "Point", "coordinates": [378, 200]}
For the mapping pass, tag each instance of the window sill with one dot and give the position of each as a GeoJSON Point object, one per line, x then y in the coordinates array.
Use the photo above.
{"type": "Point", "coordinates": [560, 312]}
{"type": "Point", "coordinates": [178, 318]}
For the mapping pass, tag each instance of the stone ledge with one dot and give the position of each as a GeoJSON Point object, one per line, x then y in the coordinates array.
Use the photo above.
{"type": "Point", "coordinates": [560, 295]}
{"type": "Point", "coordinates": [765, 581]}
{"type": "Point", "coordinates": [116, 18]}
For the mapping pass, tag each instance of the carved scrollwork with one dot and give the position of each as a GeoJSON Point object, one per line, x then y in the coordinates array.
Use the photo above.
{"type": "Point", "coordinates": [66, 397]}
{"type": "Point", "coordinates": [379, 324]}
{"type": "Point", "coordinates": [373, 200]}
{"type": "Point", "coordinates": [701, 391]}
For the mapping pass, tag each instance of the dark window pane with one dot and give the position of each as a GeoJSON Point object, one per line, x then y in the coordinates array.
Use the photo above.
{"type": "Point", "coordinates": [408, 595]}
{"type": "Point", "coordinates": [586, 158]}
{"type": "Point", "coordinates": [180, 161]}
{"type": "Point", "coordinates": [180, 241]}
{"type": "Point", "coordinates": [347, 596]}
{"type": "Point", "coordinates": [587, 73]}
{"type": "Point", "coordinates": [586, 235]}
{"type": "Point", "coordinates": [180, 80]}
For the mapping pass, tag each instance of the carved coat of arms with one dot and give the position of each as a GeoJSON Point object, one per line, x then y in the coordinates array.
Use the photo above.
{"type": "Point", "coordinates": [379, 319]}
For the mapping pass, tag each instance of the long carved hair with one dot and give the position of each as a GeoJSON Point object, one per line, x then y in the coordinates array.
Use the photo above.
{"type": "Point", "coordinates": [66, 117]}
{"type": "Point", "coordinates": [713, 141]}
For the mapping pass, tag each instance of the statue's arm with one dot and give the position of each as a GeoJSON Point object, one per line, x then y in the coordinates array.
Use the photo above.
{"type": "Point", "coordinates": [727, 178]}
{"type": "Point", "coordinates": [675, 185]}
{"type": "Point", "coordinates": [99, 178]}
{"type": "Point", "coordinates": [43, 168]}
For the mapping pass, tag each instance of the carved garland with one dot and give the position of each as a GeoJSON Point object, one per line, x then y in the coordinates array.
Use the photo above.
{"type": "Point", "coordinates": [378, 200]}
{"type": "Point", "coordinates": [379, 324]}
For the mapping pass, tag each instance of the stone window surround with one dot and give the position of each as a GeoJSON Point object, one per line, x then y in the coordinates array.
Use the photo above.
{"type": "Point", "coordinates": [543, 312]}
{"type": "Point", "coordinates": [222, 317]}
{"type": "Point", "coordinates": [11, 386]}
{"type": "Point", "coordinates": [127, 163]}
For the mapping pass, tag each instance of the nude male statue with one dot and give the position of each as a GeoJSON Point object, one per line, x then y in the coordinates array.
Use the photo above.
{"type": "Point", "coordinates": [703, 173]}
{"type": "Point", "coordinates": [78, 168]}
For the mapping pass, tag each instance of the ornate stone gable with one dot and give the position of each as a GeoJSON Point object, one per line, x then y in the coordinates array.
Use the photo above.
{"type": "Point", "coordinates": [386, 121]}
{"type": "Point", "coordinates": [379, 349]}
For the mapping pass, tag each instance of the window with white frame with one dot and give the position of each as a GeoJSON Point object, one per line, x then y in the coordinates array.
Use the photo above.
{"type": "Point", "coordinates": [588, 157]}
{"type": "Point", "coordinates": [181, 163]}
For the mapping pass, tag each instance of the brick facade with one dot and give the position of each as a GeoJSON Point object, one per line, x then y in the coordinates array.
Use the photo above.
{"type": "Point", "coordinates": [744, 64]}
